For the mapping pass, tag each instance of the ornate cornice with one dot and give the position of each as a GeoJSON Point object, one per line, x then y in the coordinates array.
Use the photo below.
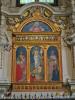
{"type": "Point", "coordinates": [55, 10]}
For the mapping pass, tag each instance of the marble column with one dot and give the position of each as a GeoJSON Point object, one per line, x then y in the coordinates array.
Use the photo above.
{"type": "Point", "coordinates": [66, 62]}
{"type": "Point", "coordinates": [0, 11]}
{"type": "Point", "coordinates": [1, 64]}
{"type": "Point", "coordinates": [73, 69]}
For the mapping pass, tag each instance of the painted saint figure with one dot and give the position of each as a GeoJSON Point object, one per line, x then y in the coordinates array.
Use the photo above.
{"type": "Point", "coordinates": [37, 66]}
{"type": "Point", "coordinates": [52, 62]}
{"type": "Point", "coordinates": [53, 71]}
{"type": "Point", "coordinates": [37, 58]}
{"type": "Point", "coordinates": [21, 67]}
{"type": "Point", "coordinates": [36, 27]}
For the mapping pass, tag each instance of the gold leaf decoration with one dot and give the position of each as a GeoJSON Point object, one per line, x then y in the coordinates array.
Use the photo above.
{"type": "Point", "coordinates": [26, 13]}
{"type": "Point", "coordinates": [17, 19]}
{"type": "Point", "coordinates": [47, 13]}
{"type": "Point", "coordinates": [17, 25]}
{"type": "Point", "coordinates": [37, 13]}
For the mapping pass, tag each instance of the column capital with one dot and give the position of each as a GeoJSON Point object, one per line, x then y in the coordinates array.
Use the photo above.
{"type": "Point", "coordinates": [45, 47]}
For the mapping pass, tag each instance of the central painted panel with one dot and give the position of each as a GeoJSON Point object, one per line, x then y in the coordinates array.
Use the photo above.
{"type": "Point", "coordinates": [36, 64]}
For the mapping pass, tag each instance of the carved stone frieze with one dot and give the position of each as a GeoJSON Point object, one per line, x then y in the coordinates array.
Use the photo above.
{"type": "Point", "coordinates": [5, 42]}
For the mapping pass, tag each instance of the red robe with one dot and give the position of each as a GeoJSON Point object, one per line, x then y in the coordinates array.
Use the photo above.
{"type": "Point", "coordinates": [18, 72]}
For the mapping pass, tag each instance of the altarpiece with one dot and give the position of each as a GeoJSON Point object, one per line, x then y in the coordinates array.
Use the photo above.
{"type": "Point", "coordinates": [36, 51]}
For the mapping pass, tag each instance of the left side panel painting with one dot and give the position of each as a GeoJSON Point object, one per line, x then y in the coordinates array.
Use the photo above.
{"type": "Point", "coordinates": [21, 64]}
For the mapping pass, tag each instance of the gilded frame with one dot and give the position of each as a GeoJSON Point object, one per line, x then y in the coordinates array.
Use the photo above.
{"type": "Point", "coordinates": [35, 86]}
{"type": "Point", "coordinates": [28, 45]}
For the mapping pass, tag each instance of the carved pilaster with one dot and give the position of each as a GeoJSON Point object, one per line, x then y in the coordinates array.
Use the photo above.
{"type": "Point", "coordinates": [45, 63]}
{"type": "Point", "coordinates": [60, 61]}
{"type": "Point", "coordinates": [28, 64]}
{"type": "Point", "coordinates": [14, 64]}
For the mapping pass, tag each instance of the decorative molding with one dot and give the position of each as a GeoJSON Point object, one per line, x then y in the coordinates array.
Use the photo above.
{"type": "Point", "coordinates": [70, 40]}
{"type": "Point", "coordinates": [16, 23]}
{"type": "Point", "coordinates": [56, 10]}
{"type": "Point", "coordinates": [38, 37]}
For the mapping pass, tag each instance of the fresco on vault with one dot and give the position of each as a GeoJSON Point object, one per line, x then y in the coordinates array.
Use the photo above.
{"type": "Point", "coordinates": [36, 64]}
{"type": "Point", "coordinates": [53, 69]}
{"type": "Point", "coordinates": [21, 64]}
{"type": "Point", "coordinates": [36, 26]}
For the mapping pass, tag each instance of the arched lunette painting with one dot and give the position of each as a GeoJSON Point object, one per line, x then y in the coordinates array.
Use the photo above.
{"type": "Point", "coordinates": [36, 26]}
{"type": "Point", "coordinates": [21, 64]}
{"type": "Point", "coordinates": [53, 66]}
{"type": "Point", "coordinates": [36, 64]}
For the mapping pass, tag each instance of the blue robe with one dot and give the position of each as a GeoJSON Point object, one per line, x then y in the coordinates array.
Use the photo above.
{"type": "Point", "coordinates": [55, 75]}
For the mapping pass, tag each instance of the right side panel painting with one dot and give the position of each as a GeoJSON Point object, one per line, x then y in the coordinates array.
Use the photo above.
{"type": "Point", "coordinates": [53, 64]}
